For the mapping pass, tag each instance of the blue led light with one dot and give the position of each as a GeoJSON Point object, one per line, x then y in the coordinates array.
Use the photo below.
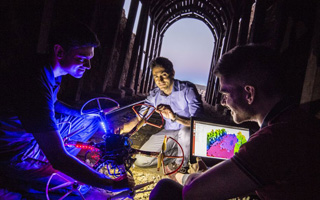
{"type": "Point", "coordinates": [103, 126]}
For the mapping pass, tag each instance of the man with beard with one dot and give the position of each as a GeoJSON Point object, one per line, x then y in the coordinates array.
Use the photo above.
{"type": "Point", "coordinates": [281, 160]}
{"type": "Point", "coordinates": [177, 101]}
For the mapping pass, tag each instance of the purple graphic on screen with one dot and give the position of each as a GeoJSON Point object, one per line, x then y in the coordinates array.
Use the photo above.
{"type": "Point", "coordinates": [220, 144]}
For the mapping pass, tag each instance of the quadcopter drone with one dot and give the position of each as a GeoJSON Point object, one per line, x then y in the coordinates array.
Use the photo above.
{"type": "Point", "coordinates": [114, 155]}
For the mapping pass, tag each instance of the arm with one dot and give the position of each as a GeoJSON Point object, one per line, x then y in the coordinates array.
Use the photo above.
{"type": "Point", "coordinates": [52, 146]}
{"type": "Point", "coordinates": [194, 102]}
{"type": "Point", "coordinates": [222, 181]}
{"type": "Point", "coordinates": [182, 120]}
{"type": "Point", "coordinates": [167, 112]}
{"type": "Point", "coordinates": [127, 127]}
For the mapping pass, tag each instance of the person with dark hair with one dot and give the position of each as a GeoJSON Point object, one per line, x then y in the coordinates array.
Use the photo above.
{"type": "Point", "coordinates": [281, 160]}
{"type": "Point", "coordinates": [177, 101]}
{"type": "Point", "coordinates": [71, 33]}
{"type": "Point", "coordinates": [31, 118]}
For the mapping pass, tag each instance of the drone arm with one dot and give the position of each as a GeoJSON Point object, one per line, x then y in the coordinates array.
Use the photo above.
{"type": "Point", "coordinates": [108, 110]}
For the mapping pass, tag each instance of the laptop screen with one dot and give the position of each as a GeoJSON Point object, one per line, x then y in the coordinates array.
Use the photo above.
{"type": "Point", "coordinates": [216, 140]}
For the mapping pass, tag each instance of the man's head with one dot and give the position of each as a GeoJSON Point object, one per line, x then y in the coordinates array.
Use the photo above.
{"type": "Point", "coordinates": [72, 46]}
{"type": "Point", "coordinates": [249, 75]}
{"type": "Point", "coordinates": [163, 74]}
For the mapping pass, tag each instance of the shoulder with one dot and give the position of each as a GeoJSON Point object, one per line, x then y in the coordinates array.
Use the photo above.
{"type": "Point", "coordinates": [185, 84]}
{"type": "Point", "coordinates": [154, 92]}
{"type": "Point", "coordinates": [295, 119]}
{"type": "Point", "coordinates": [285, 134]}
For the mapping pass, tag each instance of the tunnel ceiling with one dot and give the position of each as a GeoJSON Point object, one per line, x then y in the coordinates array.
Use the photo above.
{"type": "Point", "coordinates": [216, 14]}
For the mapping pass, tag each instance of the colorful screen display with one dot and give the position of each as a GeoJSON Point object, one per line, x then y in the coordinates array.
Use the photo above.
{"type": "Point", "coordinates": [217, 140]}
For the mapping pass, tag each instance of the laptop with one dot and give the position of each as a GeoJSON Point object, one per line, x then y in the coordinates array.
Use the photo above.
{"type": "Point", "coordinates": [219, 141]}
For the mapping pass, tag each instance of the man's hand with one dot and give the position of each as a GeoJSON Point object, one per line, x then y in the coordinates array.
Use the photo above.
{"type": "Point", "coordinates": [166, 111]}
